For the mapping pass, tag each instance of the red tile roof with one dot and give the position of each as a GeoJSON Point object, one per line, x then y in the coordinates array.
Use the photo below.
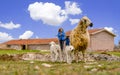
{"type": "Point", "coordinates": [93, 30]}
{"type": "Point", "coordinates": [90, 31]}
{"type": "Point", "coordinates": [31, 41]}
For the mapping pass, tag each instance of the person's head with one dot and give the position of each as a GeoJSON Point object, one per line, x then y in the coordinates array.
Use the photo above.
{"type": "Point", "coordinates": [60, 30]}
{"type": "Point", "coordinates": [67, 36]}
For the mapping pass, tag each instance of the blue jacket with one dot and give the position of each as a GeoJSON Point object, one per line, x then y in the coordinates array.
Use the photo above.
{"type": "Point", "coordinates": [61, 36]}
{"type": "Point", "coordinates": [67, 41]}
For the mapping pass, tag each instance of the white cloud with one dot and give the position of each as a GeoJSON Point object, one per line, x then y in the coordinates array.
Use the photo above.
{"type": "Point", "coordinates": [26, 35]}
{"type": "Point", "coordinates": [111, 29]}
{"type": "Point", "coordinates": [5, 37]}
{"type": "Point", "coordinates": [74, 21]}
{"type": "Point", "coordinates": [52, 14]}
{"type": "Point", "coordinates": [72, 8]}
{"type": "Point", "coordinates": [10, 25]}
{"type": "Point", "coordinates": [49, 13]}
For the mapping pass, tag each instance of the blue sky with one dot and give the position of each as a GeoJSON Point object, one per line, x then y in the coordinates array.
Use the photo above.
{"type": "Point", "coordinates": [24, 19]}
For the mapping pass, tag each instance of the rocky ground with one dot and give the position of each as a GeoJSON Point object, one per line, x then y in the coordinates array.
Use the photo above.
{"type": "Point", "coordinates": [46, 57]}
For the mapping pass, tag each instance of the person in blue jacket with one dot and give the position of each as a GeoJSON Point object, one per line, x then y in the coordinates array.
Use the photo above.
{"type": "Point", "coordinates": [61, 37]}
{"type": "Point", "coordinates": [67, 41]}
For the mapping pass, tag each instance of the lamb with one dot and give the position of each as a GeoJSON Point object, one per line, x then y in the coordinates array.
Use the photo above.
{"type": "Point", "coordinates": [79, 37]}
{"type": "Point", "coordinates": [55, 51]}
{"type": "Point", "coordinates": [68, 52]}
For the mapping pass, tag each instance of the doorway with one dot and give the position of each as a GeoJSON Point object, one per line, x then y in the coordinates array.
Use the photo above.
{"type": "Point", "coordinates": [23, 47]}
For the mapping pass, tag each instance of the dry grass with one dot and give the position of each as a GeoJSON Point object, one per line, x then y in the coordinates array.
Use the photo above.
{"type": "Point", "coordinates": [36, 68]}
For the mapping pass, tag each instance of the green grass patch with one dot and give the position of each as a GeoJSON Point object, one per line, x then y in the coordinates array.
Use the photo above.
{"type": "Point", "coordinates": [22, 51]}
{"type": "Point", "coordinates": [115, 53]}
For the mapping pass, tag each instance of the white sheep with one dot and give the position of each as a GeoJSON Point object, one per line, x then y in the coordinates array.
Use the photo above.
{"type": "Point", "coordinates": [68, 51]}
{"type": "Point", "coordinates": [55, 51]}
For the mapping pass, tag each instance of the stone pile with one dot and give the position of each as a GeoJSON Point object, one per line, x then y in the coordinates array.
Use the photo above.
{"type": "Point", "coordinates": [46, 57]}
{"type": "Point", "coordinates": [36, 56]}
{"type": "Point", "coordinates": [104, 57]}
{"type": "Point", "coordinates": [13, 57]}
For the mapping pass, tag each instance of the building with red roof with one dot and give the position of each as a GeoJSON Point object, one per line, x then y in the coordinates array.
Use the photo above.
{"type": "Point", "coordinates": [100, 39]}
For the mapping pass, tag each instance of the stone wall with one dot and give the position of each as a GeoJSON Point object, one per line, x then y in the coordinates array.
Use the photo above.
{"type": "Point", "coordinates": [39, 47]}
{"type": "Point", "coordinates": [16, 47]}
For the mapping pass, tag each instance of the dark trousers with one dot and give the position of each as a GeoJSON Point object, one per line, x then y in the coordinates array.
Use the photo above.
{"type": "Point", "coordinates": [61, 44]}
